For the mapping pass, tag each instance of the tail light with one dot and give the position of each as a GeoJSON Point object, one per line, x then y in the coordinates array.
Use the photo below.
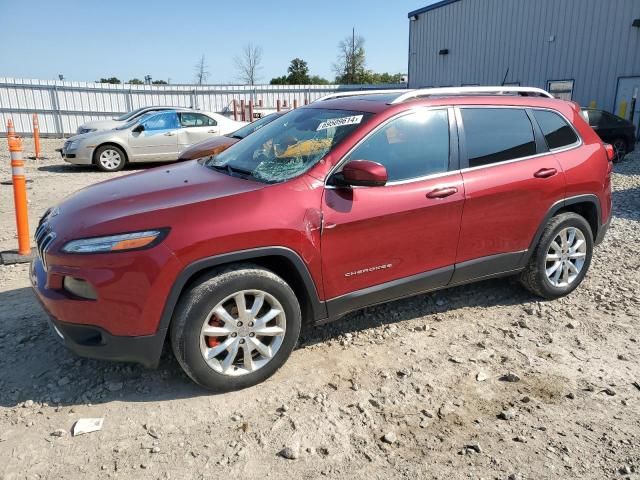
{"type": "Point", "coordinates": [611, 154]}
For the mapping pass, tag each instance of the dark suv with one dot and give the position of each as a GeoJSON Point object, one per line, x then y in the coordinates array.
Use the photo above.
{"type": "Point", "coordinates": [351, 201]}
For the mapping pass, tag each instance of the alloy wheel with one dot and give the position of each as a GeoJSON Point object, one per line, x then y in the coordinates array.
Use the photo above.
{"type": "Point", "coordinates": [566, 257]}
{"type": "Point", "coordinates": [243, 332]}
{"type": "Point", "coordinates": [110, 159]}
{"type": "Point", "coordinates": [619, 149]}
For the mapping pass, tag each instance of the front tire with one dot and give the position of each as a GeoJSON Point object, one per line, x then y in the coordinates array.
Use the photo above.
{"type": "Point", "coordinates": [561, 259]}
{"type": "Point", "coordinates": [235, 327]}
{"type": "Point", "coordinates": [110, 158]}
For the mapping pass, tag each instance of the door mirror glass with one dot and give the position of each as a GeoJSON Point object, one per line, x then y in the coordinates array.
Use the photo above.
{"type": "Point", "coordinates": [363, 173]}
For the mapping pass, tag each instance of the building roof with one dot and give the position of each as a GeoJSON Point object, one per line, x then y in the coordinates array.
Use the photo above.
{"type": "Point", "coordinates": [428, 8]}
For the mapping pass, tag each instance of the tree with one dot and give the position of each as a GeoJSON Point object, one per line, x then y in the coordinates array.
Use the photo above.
{"type": "Point", "coordinates": [113, 80]}
{"type": "Point", "coordinates": [298, 72]}
{"type": "Point", "coordinates": [350, 65]}
{"type": "Point", "coordinates": [248, 63]}
{"type": "Point", "coordinates": [202, 71]}
{"type": "Point", "coordinates": [299, 75]}
{"type": "Point", "coordinates": [135, 81]}
{"type": "Point", "coordinates": [159, 82]}
{"type": "Point", "coordinates": [375, 78]}
{"type": "Point", "coordinates": [283, 80]}
{"type": "Point", "coordinates": [318, 80]}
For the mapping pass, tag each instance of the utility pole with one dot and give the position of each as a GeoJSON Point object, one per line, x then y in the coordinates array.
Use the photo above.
{"type": "Point", "coordinates": [353, 55]}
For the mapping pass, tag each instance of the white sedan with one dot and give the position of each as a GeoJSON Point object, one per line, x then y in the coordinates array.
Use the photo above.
{"type": "Point", "coordinates": [154, 137]}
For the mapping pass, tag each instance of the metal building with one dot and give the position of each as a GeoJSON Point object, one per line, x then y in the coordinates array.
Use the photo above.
{"type": "Point", "coordinates": [585, 50]}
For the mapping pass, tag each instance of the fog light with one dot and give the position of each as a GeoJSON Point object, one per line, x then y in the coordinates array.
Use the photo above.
{"type": "Point", "coordinates": [79, 288]}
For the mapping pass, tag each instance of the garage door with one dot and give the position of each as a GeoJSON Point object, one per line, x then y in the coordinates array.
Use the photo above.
{"type": "Point", "coordinates": [627, 86]}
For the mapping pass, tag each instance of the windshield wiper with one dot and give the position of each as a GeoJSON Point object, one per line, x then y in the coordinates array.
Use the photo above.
{"type": "Point", "coordinates": [233, 171]}
{"type": "Point", "coordinates": [241, 171]}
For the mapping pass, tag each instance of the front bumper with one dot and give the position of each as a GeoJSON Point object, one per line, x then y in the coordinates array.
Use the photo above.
{"type": "Point", "coordinates": [81, 324]}
{"type": "Point", "coordinates": [77, 156]}
{"type": "Point", "coordinates": [94, 342]}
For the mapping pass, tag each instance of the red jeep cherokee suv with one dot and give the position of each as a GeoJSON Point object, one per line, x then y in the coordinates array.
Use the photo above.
{"type": "Point", "coordinates": [351, 201]}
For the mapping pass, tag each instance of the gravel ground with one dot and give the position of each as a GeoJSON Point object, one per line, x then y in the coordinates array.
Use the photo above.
{"type": "Point", "coordinates": [482, 381]}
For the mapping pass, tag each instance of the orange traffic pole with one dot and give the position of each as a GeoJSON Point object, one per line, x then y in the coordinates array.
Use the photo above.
{"type": "Point", "coordinates": [19, 194]}
{"type": "Point", "coordinates": [278, 107]}
{"type": "Point", "coordinates": [295, 103]}
{"type": "Point", "coordinates": [235, 110]}
{"type": "Point", "coordinates": [36, 135]}
{"type": "Point", "coordinates": [243, 113]}
{"type": "Point", "coordinates": [11, 131]}
{"type": "Point", "coordinates": [251, 110]}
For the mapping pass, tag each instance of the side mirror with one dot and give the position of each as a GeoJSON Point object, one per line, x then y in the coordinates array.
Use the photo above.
{"type": "Point", "coordinates": [138, 128]}
{"type": "Point", "coordinates": [363, 173]}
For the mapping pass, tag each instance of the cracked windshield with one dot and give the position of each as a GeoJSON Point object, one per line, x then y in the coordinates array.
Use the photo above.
{"type": "Point", "coordinates": [289, 146]}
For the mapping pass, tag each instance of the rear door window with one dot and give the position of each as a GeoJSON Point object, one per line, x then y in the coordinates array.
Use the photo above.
{"type": "Point", "coordinates": [196, 120]}
{"type": "Point", "coordinates": [555, 129]}
{"type": "Point", "coordinates": [497, 135]}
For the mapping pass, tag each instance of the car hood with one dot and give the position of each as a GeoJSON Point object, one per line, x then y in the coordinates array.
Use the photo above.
{"type": "Point", "coordinates": [150, 199]}
{"type": "Point", "coordinates": [102, 124]}
{"type": "Point", "coordinates": [211, 146]}
{"type": "Point", "coordinates": [95, 136]}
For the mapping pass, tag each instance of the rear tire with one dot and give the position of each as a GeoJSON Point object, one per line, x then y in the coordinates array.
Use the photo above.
{"type": "Point", "coordinates": [223, 349]}
{"type": "Point", "coordinates": [561, 259]}
{"type": "Point", "coordinates": [110, 158]}
{"type": "Point", "coordinates": [620, 149]}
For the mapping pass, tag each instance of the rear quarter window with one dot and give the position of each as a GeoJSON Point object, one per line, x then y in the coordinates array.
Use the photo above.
{"type": "Point", "coordinates": [555, 129]}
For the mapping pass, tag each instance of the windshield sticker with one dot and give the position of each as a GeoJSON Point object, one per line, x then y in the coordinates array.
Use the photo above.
{"type": "Point", "coordinates": [339, 122]}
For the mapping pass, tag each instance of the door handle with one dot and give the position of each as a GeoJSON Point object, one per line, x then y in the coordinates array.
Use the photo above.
{"type": "Point", "coordinates": [212, 131]}
{"type": "Point", "coordinates": [169, 134]}
{"type": "Point", "coordinates": [545, 173]}
{"type": "Point", "coordinates": [442, 192]}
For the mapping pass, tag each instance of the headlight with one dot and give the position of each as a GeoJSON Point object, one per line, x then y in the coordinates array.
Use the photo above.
{"type": "Point", "coordinates": [72, 144]}
{"type": "Point", "coordinates": [117, 243]}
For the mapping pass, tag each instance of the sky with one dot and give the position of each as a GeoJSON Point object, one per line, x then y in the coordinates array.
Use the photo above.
{"type": "Point", "coordinates": [86, 40]}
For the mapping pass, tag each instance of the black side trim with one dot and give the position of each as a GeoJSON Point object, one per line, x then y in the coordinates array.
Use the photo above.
{"type": "Point", "coordinates": [601, 233]}
{"type": "Point", "coordinates": [318, 308]}
{"type": "Point", "coordinates": [386, 292]}
{"type": "Point", "coordinates": [541, 142]}
{"type": "Point", "coordinates": [590, 198]}
{"type": "Point", "coordinates": [487, 267]}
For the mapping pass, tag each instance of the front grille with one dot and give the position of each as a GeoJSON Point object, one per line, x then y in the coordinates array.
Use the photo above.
{"type": "Point", "coordinates": [44, 237]}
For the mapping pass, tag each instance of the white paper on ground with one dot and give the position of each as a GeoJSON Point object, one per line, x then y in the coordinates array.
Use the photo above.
{"type": "Point", "coordinates": [87, 425]}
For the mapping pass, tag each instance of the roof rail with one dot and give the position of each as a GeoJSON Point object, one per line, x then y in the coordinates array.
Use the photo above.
{"type": "Point", "coordinates": [452, 91]}
{"type": "Point", "coordinates": [354, 93]}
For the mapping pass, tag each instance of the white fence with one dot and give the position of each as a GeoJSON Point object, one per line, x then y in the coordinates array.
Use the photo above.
{"type": "Point", "coordinates": [62, 106]}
